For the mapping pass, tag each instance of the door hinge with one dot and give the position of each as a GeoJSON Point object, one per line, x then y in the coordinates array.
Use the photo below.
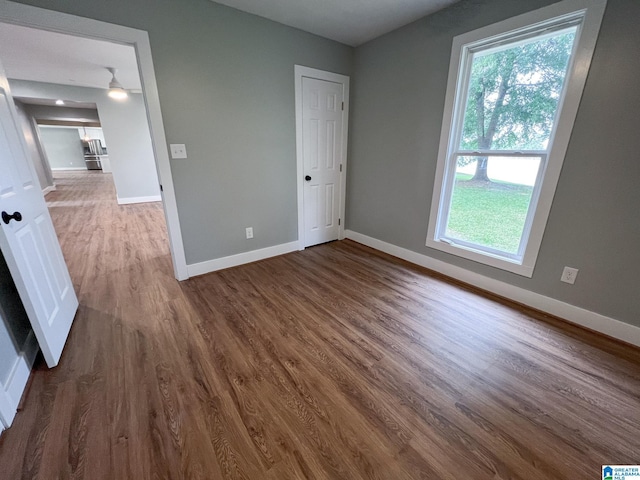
{"type": "Point", "coordinates": [338, 221]}
{"type": "Point", "coordinates": [161, 188]}
{"type": "Point", "coordinates": [342, 105]}
{"type": "Point", "coordinates": [340, 167]}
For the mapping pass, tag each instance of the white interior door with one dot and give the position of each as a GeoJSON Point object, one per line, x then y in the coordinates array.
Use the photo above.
{"type": "Point", "coordinates": [322, 122]}
{"type": "Point", "coordinates": [28, 239]}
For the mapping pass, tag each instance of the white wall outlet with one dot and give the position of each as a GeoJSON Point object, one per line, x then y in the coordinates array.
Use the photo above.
{"type": "Point", "coordinates": [249, 232]}
{"type": "Point", "coordinates": [569, 275]}
{"type": "Point", "coordinates": [178, 150]}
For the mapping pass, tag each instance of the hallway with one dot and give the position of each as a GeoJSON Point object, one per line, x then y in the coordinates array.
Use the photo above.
{"type": "Point", "coordinates": [97, 235]}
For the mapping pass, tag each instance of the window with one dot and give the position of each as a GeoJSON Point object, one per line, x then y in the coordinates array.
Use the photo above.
{"type": "Point", "coordinates": [512, 98]}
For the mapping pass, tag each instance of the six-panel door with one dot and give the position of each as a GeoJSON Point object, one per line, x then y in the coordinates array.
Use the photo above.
{"type": "Point", "coordinates": [29, 242]}
{"type": "Point", "coordinates": [322, 150]}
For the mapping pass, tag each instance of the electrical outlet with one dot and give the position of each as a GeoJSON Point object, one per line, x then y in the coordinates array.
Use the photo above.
{"type": "Point", "coordinates": [249, 232]}
{"type": "Point", "coordinates": [178, 150]}
{"type": "Point", "coordinates": [569, 275]}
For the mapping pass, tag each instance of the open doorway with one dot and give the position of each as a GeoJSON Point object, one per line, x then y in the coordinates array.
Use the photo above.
{"type": "Point", "coordinates": [115, 35]}
{"type": "Point", "coordinates": [61, 110]}
{"type": "Point", "coordinates": [87, 148]}
{"type": "Point", "coordinates": [94, 226]}
{"type": "Point", "coordinates": [60, 84]}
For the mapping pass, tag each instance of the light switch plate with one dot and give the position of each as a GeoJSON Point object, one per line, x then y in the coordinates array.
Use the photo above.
{"type": "Point", "coordinates": [178, 150]}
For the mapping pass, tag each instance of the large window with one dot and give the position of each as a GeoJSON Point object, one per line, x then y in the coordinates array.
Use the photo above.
{"type": "Point", "coordinates": [514, 90]}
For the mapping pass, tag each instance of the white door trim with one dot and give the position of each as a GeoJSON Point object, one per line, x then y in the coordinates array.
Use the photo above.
{"type": "Point", "coordinates": [301, 72]}
{"type": "Point", "coordinates": [29, 16]}
{"type": "Point", "coordinates": [7, 413]}
{"type": "Point", "coordinates": [13, 389]}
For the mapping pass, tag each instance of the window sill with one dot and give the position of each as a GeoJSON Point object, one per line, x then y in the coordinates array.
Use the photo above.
{"type": "Point", "coordinates": [523, 269]}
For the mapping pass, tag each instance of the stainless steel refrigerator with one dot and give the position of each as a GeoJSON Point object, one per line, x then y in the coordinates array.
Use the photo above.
{"type": "Point", "coordinates": [93, 151]}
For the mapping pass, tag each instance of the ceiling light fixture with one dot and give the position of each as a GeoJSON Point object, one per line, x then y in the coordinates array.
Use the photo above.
{"type": "Point", "coordinates": [59, 102]}
{"type": "Point", "coordinates": [116, 90]}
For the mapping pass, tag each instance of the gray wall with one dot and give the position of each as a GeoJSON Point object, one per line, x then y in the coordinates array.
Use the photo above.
{"type": "Point", "coordinates": [125, 128]}
{"type": "Point", "coordinates": [400, 84]}
{"type": "Point", "coordinates": [14, 324]}
{"type": "Point", "coordinates": [226, 86]}
{"type": "Point", "coordinates": [31, 136]}
{"type": "Point", "coordinates": [63, 147]}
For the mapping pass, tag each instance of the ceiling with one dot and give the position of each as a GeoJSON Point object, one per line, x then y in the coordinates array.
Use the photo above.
{"type": "Point", "coordinates": [42, 56]}
{"type": "Point", "coordinates": [352, 22]}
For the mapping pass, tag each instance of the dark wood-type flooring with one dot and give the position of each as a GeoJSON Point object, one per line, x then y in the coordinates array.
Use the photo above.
{"type": "Point", "coordinates": [337, 362]}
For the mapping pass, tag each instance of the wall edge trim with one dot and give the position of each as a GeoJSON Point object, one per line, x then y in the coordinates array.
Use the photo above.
{"type": "Point", "coordinates": [216, 264]}
{"type": "Point", "coordinates": [585, 318]}
{"type": "Point", "coordinates": [17, 380]}
{"type": "Point", "coordinates": [129, 200]}
{"type": "Point", "coordinates": [49, 189]}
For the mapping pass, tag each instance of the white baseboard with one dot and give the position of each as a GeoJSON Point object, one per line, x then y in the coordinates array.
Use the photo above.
{"type": "Point", "coordinates": [18, 378]}
{"type": "Point", "coordinates": [128, 200]}
{"type": "Point", "coordinates": [51, 188]}
{"type": "Point", "coordinates": [240, 259]}
{"type": "Point", "coordinates": [62, 169]}
{"type": "Point", "coordinates": [585, 318]}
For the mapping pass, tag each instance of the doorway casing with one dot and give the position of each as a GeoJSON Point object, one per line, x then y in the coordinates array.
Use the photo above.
{"type": "Point", "coordinates": [35, 17]}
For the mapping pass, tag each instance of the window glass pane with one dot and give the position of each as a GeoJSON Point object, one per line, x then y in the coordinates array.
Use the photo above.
{"type": "Point", "coordinates": [514, 92]}
{"type": "Point", "coordinates": [491, 213]}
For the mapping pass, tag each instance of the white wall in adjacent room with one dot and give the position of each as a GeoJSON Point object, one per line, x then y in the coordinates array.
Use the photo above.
{"type": "Point", "coordinates": [63, 147]}
{"type": "Point", "coordinates": [126, 131]}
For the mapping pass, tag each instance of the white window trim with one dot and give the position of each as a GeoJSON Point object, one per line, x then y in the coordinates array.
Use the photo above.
{"type": "Point", "coordinates": [593, 11]}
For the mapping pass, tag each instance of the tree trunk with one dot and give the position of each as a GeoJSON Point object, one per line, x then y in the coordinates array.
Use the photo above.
{"type": "Point", "coordinates": [481, 170]}
{"type": "Point", "coordinates": [486, 139]}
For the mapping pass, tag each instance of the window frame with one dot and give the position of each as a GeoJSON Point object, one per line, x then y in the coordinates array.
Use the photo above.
{"type": "Point", "coordinates": [589, 14]}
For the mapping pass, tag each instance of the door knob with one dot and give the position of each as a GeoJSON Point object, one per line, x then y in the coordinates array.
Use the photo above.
{"type": "Point", "coordinates": [6, 218]}
{"type": "Point", "coordinates": [307, 178]}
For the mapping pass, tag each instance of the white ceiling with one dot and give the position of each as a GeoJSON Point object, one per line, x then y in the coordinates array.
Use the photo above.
{"type": "Point", "coordinates": [38, 55]}
{"type": "Point", "coordinates": [352, 22]}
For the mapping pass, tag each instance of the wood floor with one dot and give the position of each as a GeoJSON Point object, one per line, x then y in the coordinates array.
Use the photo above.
{"type": "Point", "coordinates": [337, 362]}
